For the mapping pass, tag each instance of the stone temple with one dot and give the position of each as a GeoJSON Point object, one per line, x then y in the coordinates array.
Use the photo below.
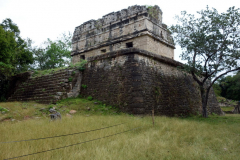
{"type": "Point", "coordinates": [137, 26]}
{"type": "Point", "coordinates": [130, 66]}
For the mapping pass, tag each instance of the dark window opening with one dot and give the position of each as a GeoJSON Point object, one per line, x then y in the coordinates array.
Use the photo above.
{"type": "Point", "coordinates": [103, 50]}
{"type": "Point", "coordinates": [82, 57]}
{"type": "Point", "coordinates": [129, 44]}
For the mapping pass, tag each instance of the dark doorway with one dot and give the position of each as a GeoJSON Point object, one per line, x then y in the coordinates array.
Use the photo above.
{"type": "Point", "coordinates": [129, 44]}
{"type": "Point", "coordinates": [82, 57]}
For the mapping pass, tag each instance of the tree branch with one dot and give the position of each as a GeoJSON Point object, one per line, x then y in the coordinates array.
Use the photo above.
{"type": "Point", "coordinates": [194, 68]}
{"type": "Point", "coordinates": [222, 75]}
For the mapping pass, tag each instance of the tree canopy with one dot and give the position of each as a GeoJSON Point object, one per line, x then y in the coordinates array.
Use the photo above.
{"type": "Point", "coordinates": [54, 53]}
{"type": "Point", "coordinates": [211, 46]}
{"type": "Point", "coordinates": [15, 52]}
{"type": "Point", "coordinates": [229, 87]}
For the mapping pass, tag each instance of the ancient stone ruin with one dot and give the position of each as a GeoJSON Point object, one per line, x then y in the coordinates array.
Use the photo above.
{"type": "Point", "coordinates": [137, 26]}
{"type": "Point", "coordinates": [130, 66]}
{"type": "Point", "coordinates": [47, 88]}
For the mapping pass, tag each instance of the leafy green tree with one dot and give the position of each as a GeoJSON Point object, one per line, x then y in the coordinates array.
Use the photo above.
{"type": "Point", "coordinates": [217, 89]}
{"type": "Point", "coordinates": [54, 53]}
{"type": "Point", "coordinates": [211, 46]}
{"type": "Point", "coordinates": [233, 90]}
{"type": "Point", "coordinates": [39, 58]}
{"type": "Point", "coordinates": [7, 45]}
{"type": "Point", "coordinates": [15, 54]}
{"type": "Point", "coordinates": [230, 87]}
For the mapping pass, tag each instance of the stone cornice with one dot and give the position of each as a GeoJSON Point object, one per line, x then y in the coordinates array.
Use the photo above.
{"type": "Point", "coordinates": [124, 38]}
{"type": "Point", "coordinates": [128, 51]}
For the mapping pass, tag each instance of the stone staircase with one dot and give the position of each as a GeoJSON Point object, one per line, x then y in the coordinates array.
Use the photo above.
{"type": "Point", "coordinates": [48, 89]}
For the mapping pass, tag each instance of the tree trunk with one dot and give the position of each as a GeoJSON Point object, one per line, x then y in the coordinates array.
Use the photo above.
{"type": "Point", "coordinates": [204, 97]}
{"type": "Point", "coordinates": [204, 110]}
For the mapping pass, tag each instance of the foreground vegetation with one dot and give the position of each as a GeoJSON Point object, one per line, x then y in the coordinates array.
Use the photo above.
{"type": "Point", "coordinates": [18, 111]}
{"type": "Point", "coordinates": [216, 137]}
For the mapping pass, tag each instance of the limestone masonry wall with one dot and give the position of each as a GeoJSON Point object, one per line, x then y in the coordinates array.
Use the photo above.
{"type": "Point", "coordinates": [137, 26]}
{"type": "Point", "coordinates": [137, 81]}
{"type": "Point", "coordinates": [50, 88]}
{"type": "Point", "coordinates": [134, 80]}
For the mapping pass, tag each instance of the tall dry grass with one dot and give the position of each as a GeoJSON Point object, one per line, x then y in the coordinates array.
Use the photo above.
{"type": "Point", "coordinates": [171, 138]}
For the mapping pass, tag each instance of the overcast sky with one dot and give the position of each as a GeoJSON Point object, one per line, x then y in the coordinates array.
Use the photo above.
{"type": "Point", "coordinates": [42, 19]}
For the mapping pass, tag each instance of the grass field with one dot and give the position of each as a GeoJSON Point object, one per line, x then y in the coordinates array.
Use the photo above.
{"type": "Point", "coordinates": [230, 108]}
{"type": "Point", "coordinates": [216, 137]}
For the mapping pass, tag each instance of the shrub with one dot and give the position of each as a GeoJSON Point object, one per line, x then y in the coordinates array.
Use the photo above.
{"type": "Point", "coordinates": [73, 73]}
{"type": "Point", "coordinates": [84, 86]}
{"type": "Point", "coordinates": [81, 65]}
{"type": "Point", "coordinates": [90, 98]}
{"type": "Point", "coordinates": [3, 109]}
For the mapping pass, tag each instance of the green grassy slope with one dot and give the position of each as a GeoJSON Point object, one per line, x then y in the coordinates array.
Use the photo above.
{"type": "Point", "coordinates": [216, 137]}
{"type": "Point", "coordinates": [29, 110]}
